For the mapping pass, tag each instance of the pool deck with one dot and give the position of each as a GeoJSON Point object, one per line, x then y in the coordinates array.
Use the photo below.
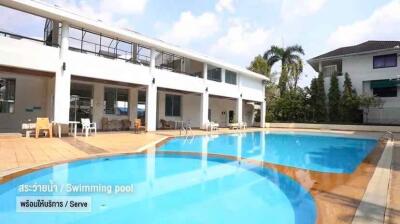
{"type": "Point", "coordinates": [337, 196]}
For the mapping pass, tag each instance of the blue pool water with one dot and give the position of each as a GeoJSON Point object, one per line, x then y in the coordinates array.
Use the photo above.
{"type": "Point", "coordinates": [167, 189]}
{"type": "Point", "coordinates": [323, 153]}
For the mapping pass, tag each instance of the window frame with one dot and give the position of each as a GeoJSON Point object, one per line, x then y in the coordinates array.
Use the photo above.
{"type": "Point", "coordinates": [211, 70]}
{"type": "Point", "coordinates": [229, 73]}
{"type": "Point", "coordinates": [384, 58]}
{"type": "Point", "coordinates": [172, 105]}
{"type": "Point", "coordinates": [115, 101]}
{"type": "Point", "coordinates": [12, 101]}
{"type": "Point", "coordinates": [394, 87]}
{"type": "Point", "coordinates": [326, 67]}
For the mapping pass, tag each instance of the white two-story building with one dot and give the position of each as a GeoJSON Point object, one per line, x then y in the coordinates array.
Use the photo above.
{"type": "Point", "coordinates": [83, 68]}
{"type": "Point", "coordinates": [374, 69]}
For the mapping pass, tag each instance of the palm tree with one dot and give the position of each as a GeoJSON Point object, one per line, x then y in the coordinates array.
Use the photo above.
{"type": "Point", "coordinates": [288, 56]}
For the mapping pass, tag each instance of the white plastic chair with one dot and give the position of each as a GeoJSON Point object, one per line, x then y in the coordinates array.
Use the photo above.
{"type": "Point", "coordinates": [87, 126]}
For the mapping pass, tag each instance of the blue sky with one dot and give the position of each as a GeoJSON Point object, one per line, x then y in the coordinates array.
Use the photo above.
{"type": "Point", "coordinates": [237, 30]}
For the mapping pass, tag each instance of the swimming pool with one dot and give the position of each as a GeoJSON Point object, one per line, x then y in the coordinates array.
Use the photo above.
{"type": "Point", "coordinates": [322, 153]}
{"type": "Point", "coordinates": [167, 189]}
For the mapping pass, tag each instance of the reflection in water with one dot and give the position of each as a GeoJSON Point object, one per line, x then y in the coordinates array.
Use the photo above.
{"type": "Point", "coordinates": [323, 153]}
{"type": "Point", "coordinates": [171, 189]}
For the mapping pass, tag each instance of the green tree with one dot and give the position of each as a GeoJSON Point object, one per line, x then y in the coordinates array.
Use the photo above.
{"type": "Point", "coordinates": [313, 97]}
{"type": "Point", "coordinates": [290, 106]}
{"type": "Point", "coordinates": [349, 102]}
{"type": "Point", "coordinates": [334, 99]}
{"type": "Point", "coordinates": [287, 56]}
{"type": "Point", "coordinates": [366, 102]}
{"type": "Point", "coordinates": [320, 104]}
{"type": "Point", "coordinates": [260, 66]}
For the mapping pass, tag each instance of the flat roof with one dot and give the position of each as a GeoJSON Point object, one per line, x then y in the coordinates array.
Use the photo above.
{"type": "Point", "coordinates": [59, 14]}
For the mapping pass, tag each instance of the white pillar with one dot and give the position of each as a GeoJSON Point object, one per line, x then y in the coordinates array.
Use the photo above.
{"type": "Point", "coordinates": [262, 114]}
{"type": "Point", "coordinates": [223, 75]}
{"type": "Point", "coordinates": [239, 109]}
{"type": "Point", "coordinates": [62, 80]}
{"type": "Point", "coordinates": [151, 96]}
{"type": "Point", "coordinates": [204, 110]}
{"type": "Point", "coordinates": [204, 102]}
{"type": "Point", "coordinates": [320, 66]}
{"type": "Point", "coordinates": [263, 111]}
{"type": "Point", "coordinates": [133, 102]}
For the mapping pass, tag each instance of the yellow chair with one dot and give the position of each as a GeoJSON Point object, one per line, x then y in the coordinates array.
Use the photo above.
{"type": "Point", "coordinates": [138, 126]}
{"type": "Point", "coordinates": [43, 123]}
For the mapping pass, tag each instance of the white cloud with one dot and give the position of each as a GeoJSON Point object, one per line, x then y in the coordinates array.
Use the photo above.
{"type": "Point", "coordinates": [241, 42]}
{"type": "Point", "coordinates": [292, 9]}
{"type": "Point", "coordinates": [383, 24]}
{"type": "Point", "coordinates": [123, 6]}
{"type": "Point", "coordinates": [225, 5]}
{"type": "Point", "coordinates": [190, 28]}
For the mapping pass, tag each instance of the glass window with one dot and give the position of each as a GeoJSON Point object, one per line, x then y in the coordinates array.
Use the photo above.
{"type": "Point", "coordinates": [116, 101]}
{"type": "Point", "coordinates": [230, 77]}
{"type": "Point", "coordinates": [172, 105]}
{"type": "Point", "coordinates": [122, 102]}
{"type": "Point", "coordinates": [7, 95]}
{"type": "Point", "coordinates": [385, 61]}
{"type": "Point", "coordinates": [329, 70]}
{"type": "Point", "coordinates": [385, 91]}
{"type": "Point", "coordinates": [214, 73]}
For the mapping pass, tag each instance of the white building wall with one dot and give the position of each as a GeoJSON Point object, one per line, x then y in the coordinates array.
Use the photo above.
{"type": "Point", "coordinates": [190, 108]}
{"type": "Point", "coordinates": [31, 101]}
{"type": "Point", "coordinates": [220, 110]}
{"type": "Point", "coordinates": [251, 89]}
{"type": "Point", "coordinates": [360, 68]}
{"type": "Point", "coordinates": [28, 54]}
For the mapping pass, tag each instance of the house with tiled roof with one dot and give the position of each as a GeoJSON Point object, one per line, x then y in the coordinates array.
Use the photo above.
{"type": "Point", "coordinates": [374, 69]}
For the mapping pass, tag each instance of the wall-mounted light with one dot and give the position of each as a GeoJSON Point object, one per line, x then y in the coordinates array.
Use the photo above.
{"type": "Point", "coordinates": [241, 95]}
{"type": "Point", "coordinates": [265, 82]}
{"type": "Point", "coordinates": [154, 81]}
{"type": "Point", "coordinates": [64, 66]}
{"type": "Point", "coordinates": [206, 89]}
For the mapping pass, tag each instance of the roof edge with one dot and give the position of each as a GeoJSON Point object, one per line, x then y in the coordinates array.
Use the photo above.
{"type": "Point", "coordinates": [53, 12]}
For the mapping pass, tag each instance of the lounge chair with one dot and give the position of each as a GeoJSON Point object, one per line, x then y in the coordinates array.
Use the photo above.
{"type": "Point", "coordinates": [212, 126]}
{"type": "Point", "coordinates": [88, 126]}
{"type": "Point", "coordinates": [126, 124]}
{"type": "Point", "coordinates": [43, 123]}
{"type": "Point", "coordinates": [242, 125]}
{"type": "Point", "coordinates": [138, 126]}
{"type": "Point", "coordinates": [105, 124]}
{"type": "Point", "coordinates": [165, 124]}
{"type": "Point", "coordinates": [233, 125]}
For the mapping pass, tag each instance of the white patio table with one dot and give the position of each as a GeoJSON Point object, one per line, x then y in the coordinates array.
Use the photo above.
{"type": "Point", "coordinates": [72, 127]}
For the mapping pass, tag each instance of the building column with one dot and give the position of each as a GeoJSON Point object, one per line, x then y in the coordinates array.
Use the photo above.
{"type": "Point", "coordinates": [133, 102]}
{"type": "Point", "coordinates": [239, 109]}
{"type": "Point", "coordinates": [204, 101]}
{"type": "Point", "coordinates": [320, 66]}
{"type": "Point", "coordinates": [62, 80]}
{"type": "Point", "coordinates": [204, 110]}
{"type": "Point", "coordinates": [151, 96]}
{"type": "Point", "coordinates": [223, 71]}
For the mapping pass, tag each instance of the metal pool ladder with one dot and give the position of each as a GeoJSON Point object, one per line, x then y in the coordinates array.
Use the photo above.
{"type": "Point", "coordinates": [391, 135]}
